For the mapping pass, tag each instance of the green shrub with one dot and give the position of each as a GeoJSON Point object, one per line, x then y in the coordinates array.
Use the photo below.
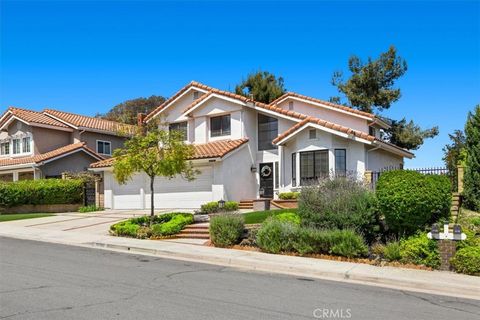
{"type": "Point", "coordinates": [288, 195]}
{"type": "Point", "coordinates": [418, 249]}
{"type": "Point", "coordinates": [340, 203]}
{"type": "Point", "coordinates": [288, 216]}
{"type": "Point", "coordinates": [226, 230]}
{"type": "Point", "coordinates": [392, 251]}
{"type": "Point", "coordinates": [410, 201]}
{"type": "Point", "coordinates": [125, 228]}
{"type": "Point", "coordinates": [467, 260]}
{"type": "Point", "coordinates": [42, 191]}
{"type": "Point", "coordinates": [378, 249]}
{"type": "Point", "coordinates": [172, 226]}
{"type": "Point", "coordinates": [260, 216]}
{"type": "Point", "coordinates": [91, 208]}
{"type": "Point", "coordinates": [276, 236]}
{"type": "Point", "coordinates": [347, 243]}
{"type": "Point", "coordinates": [231, 206]}
{"type": "Point", "coordinates": [209, 207]}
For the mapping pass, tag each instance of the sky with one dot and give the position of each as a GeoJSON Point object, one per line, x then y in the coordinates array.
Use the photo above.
{"type": "Point", "coordinates": [87, 56]}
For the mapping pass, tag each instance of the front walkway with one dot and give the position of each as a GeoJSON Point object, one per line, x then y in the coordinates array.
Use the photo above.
{"type": "Point", "coordinates": [89, 231]}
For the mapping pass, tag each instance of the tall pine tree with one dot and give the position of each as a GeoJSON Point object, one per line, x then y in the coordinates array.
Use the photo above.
{"type": "Point", "coordinates": [472, 173]}
{"type": "Point", "coordinates": [262, 86]}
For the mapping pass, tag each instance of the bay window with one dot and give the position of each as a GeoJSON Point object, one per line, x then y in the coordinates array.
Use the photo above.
{"type": "Point", "coordinates": [5, 148]}
{"type": "Point", "coordinates": [16, 146]}
{"type": "Point", "coordinates": [26, 145]}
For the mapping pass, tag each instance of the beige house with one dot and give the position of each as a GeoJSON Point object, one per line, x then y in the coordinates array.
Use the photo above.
{"type": "Point", "coordinates": [45, 144]}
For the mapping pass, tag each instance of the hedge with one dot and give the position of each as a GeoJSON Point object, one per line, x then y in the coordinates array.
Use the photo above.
{"type": "Point", "coordinates": [288, 195]}
{"type": "Point", "coordinates": [42, 191]}
{"type": "Point", "coordinates": [467, 260]}
{"type": "Point", "coordinates": [213, 207]}
{"type": "Point", "coordinates": [410, 201]}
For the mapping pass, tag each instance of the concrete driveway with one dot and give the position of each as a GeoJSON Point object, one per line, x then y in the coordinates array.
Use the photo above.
{"type": "Point", "coordinates": [97, 223]}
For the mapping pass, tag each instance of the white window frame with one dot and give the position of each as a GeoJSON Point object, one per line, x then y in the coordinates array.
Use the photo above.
{"type": "Point", "coordinates": [29, 145]}
{"type": "Point", "coordinates": [222, 137]}
{"type": "Point", "coordinates": [188, 128]}
{"type": "Point", "coordinates": [104, 141]}
{"type": "Point", "coordinates": [19, 146]}
{"type": "Point", "coordinates": [7, 143]}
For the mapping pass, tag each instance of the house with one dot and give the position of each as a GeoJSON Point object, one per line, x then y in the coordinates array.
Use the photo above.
{"type": "Point", "coordinates": [246, 149]}
{"type": "Point", "coordinates": [45, 144]}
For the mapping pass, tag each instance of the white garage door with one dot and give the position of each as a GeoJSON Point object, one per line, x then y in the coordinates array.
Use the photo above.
{"type": "Point", "coordinates": [180, 193]}
{"type": "Point", "coordinates": [128, 196]}
{"type": "Point", "coordinates": [169, 194]}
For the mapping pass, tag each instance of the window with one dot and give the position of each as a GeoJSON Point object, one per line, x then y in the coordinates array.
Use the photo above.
{"type": "Point", "coordinates": [372, 131]}
{"type": "Point", "coordinates": [181, 127]}
{"type": "Point", "coordinates": [267, 131]}
{"type": "Point", "coordinates": [195, 95]}
{"type": "Point", "coordinates": [313, 166]}
{"type": "Point", "coordinates": [276, 175]}
{"type": "Point", "coordinates": [294, 169]}
{"type": "Point", "coordinates": [220, 126]}
{"type": "Point", "coordinates": [104, 147]}
{"type": "Point", "coordinates": [312, 134]}
{"type": "Point", "coordinates": [340, 162]}
{"type": "Point", "coordinates": [5, 148]}
{"type": "Point", "coordinates": [16, 146]}
{"type": "Point", "coordinates": [26, 145]}
{"type": "Point", "coordinates": [290, 105]}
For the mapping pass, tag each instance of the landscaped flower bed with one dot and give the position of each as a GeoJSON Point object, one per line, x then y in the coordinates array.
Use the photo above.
{"type": "Point", "coordinates": [162, 226]}
{"type": "Point", "coordinates": [342, 220]}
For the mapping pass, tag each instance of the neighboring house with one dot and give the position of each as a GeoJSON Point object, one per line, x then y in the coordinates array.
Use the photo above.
{"type": "Point", "coordinates": [45, 144]}
{"type": "Point", "coordinates": [247, 149]}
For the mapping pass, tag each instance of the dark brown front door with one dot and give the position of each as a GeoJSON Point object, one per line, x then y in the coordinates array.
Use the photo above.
{"type": "Point", "coordinates": [266, 180]}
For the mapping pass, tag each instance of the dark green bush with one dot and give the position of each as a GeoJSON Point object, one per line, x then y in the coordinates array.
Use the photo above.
{"type": "Point", "coordinates": [172, 226]}
{"type": "Point", "coordinates": [91, 208]}
{"type": "Point", "coordinates": [418, 249]}
{"type": "Point", "coordinates": [392, 251]}
{"type": "Point", "coordinates": [226, 230]}
{"type": "Point", "coordinates": [277, 236]}
{"type": "Point", "coordinates": [340, 203]}
{"type": "Point", "coordinates": [410, 201]}
{"type": "Point", "coordinates": [467, 260]}
{"type": "Point", "coordinates": [347, 243]}
{"type": "Point", "coordinates": [288, 195]}
{"type": "Point", "coordinates": [42, 191]}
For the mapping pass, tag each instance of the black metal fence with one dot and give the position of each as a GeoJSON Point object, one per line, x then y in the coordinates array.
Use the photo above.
{"type": "Point", "coordinates": [375, 175]}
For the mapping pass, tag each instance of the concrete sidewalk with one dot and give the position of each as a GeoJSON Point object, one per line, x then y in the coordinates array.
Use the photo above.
{"type": "Point", "coordinates": [433, 282]}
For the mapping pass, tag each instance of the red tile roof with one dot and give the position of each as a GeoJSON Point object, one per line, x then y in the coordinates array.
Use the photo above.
{"type": "Point", "coordinates": [36, 159]}
{"type": "Point", "coordinates": [85, 122]}
{"type": "Point", "coordinates": [325, 124]}
{"type": "Point", "coordinates": [330, 104]}
{"type": "Point", "coordinates": [214, 149]}
{"type": "Point", "coordinates": [31, 117]}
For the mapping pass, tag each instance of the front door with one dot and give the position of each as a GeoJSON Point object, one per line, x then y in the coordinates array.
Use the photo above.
{"type": "Point", "coordinates": [266, 180]}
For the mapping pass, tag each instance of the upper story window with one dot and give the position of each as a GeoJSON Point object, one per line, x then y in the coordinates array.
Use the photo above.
{"type": "Point", "coordinates": [181, 127]}
{"type": "Point", "coordinates": [267, 131]}
{"type": "Point", "coordinates": [195, 95]}
{"type": "Point", "coordinates": [104, 147]}
{"type": "Point", "coordinates": [290, 105]}
{"type": "Point", "coordinates": [220, 126]}
{"type": "Point", "coordinates": [26, 148]}
{"type": "Point", "coordinates": [5, 148]}
{"type": "Point", "coordinates": [372, 131]}
{"type": "Point", "coordinates": [312, 134]}
{"type": "Point", "coordinates": [16, 146]}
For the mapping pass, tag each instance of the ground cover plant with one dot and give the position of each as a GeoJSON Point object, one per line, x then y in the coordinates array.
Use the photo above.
{"type": "Point", "coordinates": [21, 216]}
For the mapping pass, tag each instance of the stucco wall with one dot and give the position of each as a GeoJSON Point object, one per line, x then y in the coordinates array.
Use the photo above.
{"type": "Point", "coordinates": [91, 139]}
{"type": "Point", "coordinates": [45, 140]}
{"type": "Point", "coordinates": [337, 117]}
{"type": "Point", "coordinates": [76, 162]}
{"type": "Point", "coordinates": [380, 159]}
{"type": "Point", "coordinates": [174, 112]}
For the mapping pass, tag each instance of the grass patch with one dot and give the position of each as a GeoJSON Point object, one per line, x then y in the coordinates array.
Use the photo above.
{"type": "Point", "coordinates": [260, 216]}
{"type": "Point", "coordinates": [22, 216]}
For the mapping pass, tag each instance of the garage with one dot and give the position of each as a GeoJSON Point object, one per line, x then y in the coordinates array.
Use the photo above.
{"type": "Point", "coordinates": [169, 193]}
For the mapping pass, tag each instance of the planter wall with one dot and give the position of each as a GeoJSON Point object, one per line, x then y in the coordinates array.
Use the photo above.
{"type": "Point", "coordinates": [42, 208]}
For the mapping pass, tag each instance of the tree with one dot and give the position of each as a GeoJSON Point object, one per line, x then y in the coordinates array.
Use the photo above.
{"type": "Point", "coordinates": [262, 85]}
{"type": "Point", "coordinates": [156, 153]}
{"type": "Point", "coordinates": [455, 154]}
{"type": "Point", "coordinates": [471, 178]}
{"type": "Point", "coordinates": [126, 112]}
{"type": "Point", "coordinates": [370, 88]}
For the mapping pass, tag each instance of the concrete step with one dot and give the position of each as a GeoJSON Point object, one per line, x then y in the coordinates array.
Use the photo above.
{"type": "Point", "coordinates": [193, 236]}
{"type": "Point", "coordinates": [197, 227]}
{"type": "Point", "coordinates": [194, 231]}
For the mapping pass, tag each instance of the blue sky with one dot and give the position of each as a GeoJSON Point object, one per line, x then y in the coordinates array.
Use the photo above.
{"type": "Point", "coordinates": [87, 56]}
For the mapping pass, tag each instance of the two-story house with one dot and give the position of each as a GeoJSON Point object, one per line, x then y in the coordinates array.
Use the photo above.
{"type": "Point", "coordinates": [246, 149]}
{"type": "Point", "coordinates": [45, 144]}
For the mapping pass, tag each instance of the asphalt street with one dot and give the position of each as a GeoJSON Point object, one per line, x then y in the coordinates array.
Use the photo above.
{"type": "Point", "coordinates": [49, 281]}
